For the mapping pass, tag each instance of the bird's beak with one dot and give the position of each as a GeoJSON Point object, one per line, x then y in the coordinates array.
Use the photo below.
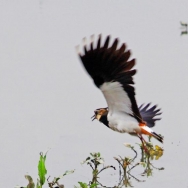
{"type": "Point", "coordinates": [93, 117]}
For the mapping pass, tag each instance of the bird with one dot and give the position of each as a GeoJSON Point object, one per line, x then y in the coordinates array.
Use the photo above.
{"type": "Point", "coordinates": [147, 112]}
{"type": "Point", "coordinates": [112, 72]}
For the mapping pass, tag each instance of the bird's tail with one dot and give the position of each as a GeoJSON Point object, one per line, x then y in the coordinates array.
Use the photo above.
{"type": "Point", "coordinates": [147, 131]}
{"type": "Point", "coordinates": [158, 137]}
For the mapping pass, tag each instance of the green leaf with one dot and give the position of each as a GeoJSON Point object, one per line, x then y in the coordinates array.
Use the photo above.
{"type": "Point", "coordinates": [42, 169]}
{"type": "Point", "coordinates": [92, 154]}
{"type": "Point", "coordinates": [56, 179]}
{"type": "Point", "coordinates": [87, 159]}
{"type": "Point", "coordinates": [93, 185]}
{"type": "Point", "coordinates": [68, 172]}
{"type": "Point", "coordinates": [83, 185]}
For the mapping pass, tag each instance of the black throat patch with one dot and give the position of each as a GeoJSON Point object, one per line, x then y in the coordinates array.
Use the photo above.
{"type": "Point", "coordinates": [104, 120]}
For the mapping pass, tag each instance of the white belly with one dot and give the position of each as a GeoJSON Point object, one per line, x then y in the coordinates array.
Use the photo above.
{"type": "Point", "coordinates": [123, 123]}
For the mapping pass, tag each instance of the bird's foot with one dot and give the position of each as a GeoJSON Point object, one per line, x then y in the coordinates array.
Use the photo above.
{"type": "Point", "coordinates": [144, 144]}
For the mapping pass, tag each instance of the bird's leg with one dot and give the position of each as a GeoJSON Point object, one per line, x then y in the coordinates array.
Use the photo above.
{"type": "Point", "coordinates": [143, 142]}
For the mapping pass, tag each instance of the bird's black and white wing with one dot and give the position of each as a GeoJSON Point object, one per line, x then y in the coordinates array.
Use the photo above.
{"type": "Point", "coordinates": [149, 114]}
{"type": "Point", "coordinates": [111, 71]}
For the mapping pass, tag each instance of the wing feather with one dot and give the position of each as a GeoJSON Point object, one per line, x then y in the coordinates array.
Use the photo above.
{"type": "Point", "coordinates": [112, 72]}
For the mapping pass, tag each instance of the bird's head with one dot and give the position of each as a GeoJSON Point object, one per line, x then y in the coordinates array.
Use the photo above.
{"type": "Point", "coordinates": [99, 112]}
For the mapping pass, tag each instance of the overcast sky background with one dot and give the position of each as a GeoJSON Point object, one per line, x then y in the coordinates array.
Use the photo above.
{"type": "Point", "coordinates": [47, 98]}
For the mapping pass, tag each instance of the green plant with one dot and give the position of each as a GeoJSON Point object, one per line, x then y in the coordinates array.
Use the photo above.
{"type": "Point", "coordinates": [149, 152]}
{"type": "Point", "coordinates": [85, 185]}
{"type": "Point", "coordinates": [42, 172]}
{"type": "Point", "coordinates": [153, 152]}
{"type": "Point", "coordinates": [127, 165]}
{"type": "Point", "coordinates": [94, 161]}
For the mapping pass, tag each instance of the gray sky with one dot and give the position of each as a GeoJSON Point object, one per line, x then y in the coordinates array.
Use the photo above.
{"type": "Point", "coordinates": [47, 98]}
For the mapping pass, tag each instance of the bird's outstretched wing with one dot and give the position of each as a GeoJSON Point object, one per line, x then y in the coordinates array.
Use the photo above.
{"type": "Point", "coordinates": [149, 114]}
{"type": "Point", "coordinates": [111, 71]}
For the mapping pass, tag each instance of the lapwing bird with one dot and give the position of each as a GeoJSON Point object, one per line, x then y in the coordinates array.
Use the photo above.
{"type": "Point", "coordinates": [112, 72]}
{"type": "Point", "coordinates": [147, 112]}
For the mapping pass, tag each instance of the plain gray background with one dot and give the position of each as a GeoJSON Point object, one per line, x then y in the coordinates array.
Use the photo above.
{"type": "Point", "coordinates": [47, 98]}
